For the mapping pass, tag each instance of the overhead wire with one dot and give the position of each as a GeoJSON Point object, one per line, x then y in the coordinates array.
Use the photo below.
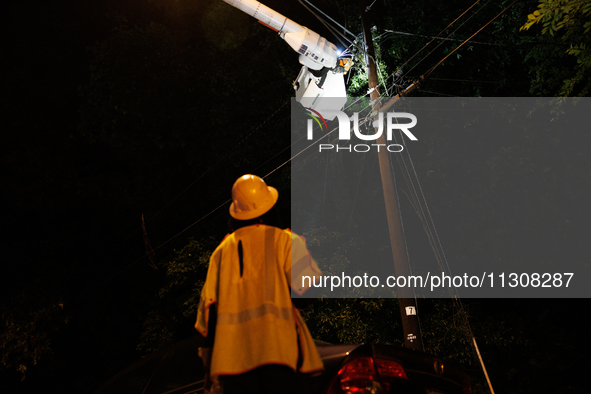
{"type": "Point", "coordinates": [403, 232]}
{"type": "Point", "coordinates": [187, 188]}
{"type": "Point", "coordinates": [428, 72]}
{"type": "Point", "coordinates": [227, 201]}
{"type": "Point", "coordinates": [214, 166]}
{"type": "Point", "coordinates": [382, 79]}
{"type": "Point", "coordinates": [439, 38]}
{"type": "Point", "coordinates": [441, 94]}
{"type": "Point", "coordinates": [436, 245]}
{"type": "Point", "coordinates": [338, 35]}
{"type": "Point", "coordinates": [220, 159]}
{"type": "Point", "coordinates": [469, 38]}
{"type": "Point", "coordinates": [418, 201]}
{"type": "Point", "coordinates": [440, 33]}
{"type": "Point", "coordinates": [462, 80]}
{"type": "Point", "coordinates": [432, 233]}
{"type": "Point", "coordinates": [434, 236]}
{"type": "Point", "coordinates": [327, 16]}
{"type": "Point", "coordinates": [414, 201]}
{"type": "Point", "coordinates": [219, 206]}
{"type": "Point", "coordinates": [399, 72]}
{"type": "Point", "coordinates": [424, 213]}
{"type": "Point", "coordinates": [156, 248]}
{"type": "Point", "coordinates": [357, 191]}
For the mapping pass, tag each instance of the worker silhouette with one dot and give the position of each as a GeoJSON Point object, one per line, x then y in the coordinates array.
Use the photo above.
{"type": "Point", "coordinates": [256, 339]}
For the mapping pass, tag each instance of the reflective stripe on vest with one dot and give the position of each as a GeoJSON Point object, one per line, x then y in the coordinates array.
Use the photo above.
{"type": "Point", "coordinates": [254, 313]}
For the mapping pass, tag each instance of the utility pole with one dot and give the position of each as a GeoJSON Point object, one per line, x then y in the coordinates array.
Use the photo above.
{"type": "Point", "coordinates": [406, 298]}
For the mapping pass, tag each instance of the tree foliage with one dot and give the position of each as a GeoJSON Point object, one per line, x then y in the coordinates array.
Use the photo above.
{"type": "Point", "coordinates": [25, 334]}
{"type": "Point", "coordinates": [571, 19]}
{"type": "Point", "coordinates": [177, 301]}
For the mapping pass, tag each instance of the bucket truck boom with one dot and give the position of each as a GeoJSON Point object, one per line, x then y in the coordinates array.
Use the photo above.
{"type": "Point", "coordinates": [320, 84]}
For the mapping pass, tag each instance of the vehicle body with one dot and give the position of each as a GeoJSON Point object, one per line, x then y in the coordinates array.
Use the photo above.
{"type": "Point", "coordinates": [357, 368]}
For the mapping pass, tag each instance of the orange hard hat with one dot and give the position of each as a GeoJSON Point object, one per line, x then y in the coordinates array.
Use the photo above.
{"type": "Point", "coordinates": [251, 197]}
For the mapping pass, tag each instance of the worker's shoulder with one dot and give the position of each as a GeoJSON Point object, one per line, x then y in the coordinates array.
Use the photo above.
{"type": "Point", "coordinates": [295, 237]}
{"type": "Point", "coordinates": [227, 241]}
{"type": "Point", "coordinates": [257, 229]}
{"type": "Point", "coordinates": [291, 236]}
{"type": "Point", "coordinates": [249, 232]}
{"type": "Point", "coordinates": [260, 231]}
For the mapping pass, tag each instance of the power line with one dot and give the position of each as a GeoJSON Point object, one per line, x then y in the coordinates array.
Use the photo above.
{"type": "Point", "coordinates": [440, 38]}
{"type": "Point", "coordinates": [441, 32]}
{"type": "Point", "coordinates": [219, 160]}
{"type": "Point", "coordinates": [441, 94]}
{"type": "Point", "coordinates": [436, 245]}
{"type": "Point", "coordinates": [187, 188]}
{"type": "Point", "coordinates": [326, 16]}
{"type": "Point", "coordinates": [469, 38]}
{"type": "Point", "coordinates": [462, 80]}
{"type": "Point", "coordinates": [158, 247]}
{"type": "Point", "coordinates": [338, 34]}
{"type": "Point", "coordinates": [224, 203]}
{"type": "Point", "coordinates": [459, 46]}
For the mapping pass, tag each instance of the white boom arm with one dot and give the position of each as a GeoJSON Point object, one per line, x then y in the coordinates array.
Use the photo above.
{"type": "Point", "coordinates": [321, 91]}
{"type": "Point", "coordinates": [315, 51]}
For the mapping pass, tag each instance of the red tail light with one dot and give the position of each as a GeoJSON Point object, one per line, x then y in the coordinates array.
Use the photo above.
{"type": "Point", "coordinates": [357, 374]}
{"type": "Point", "coordinates": [390, 369]}
{"type": "Point", "coordinates": [366, 375]}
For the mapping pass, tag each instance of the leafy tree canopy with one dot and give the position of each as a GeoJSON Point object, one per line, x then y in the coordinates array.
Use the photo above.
{"type": "Point", "coordinates": [571, 20]}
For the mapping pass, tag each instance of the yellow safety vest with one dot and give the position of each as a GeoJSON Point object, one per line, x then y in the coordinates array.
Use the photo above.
{"type": "Point", "coordinates": [257, 323]}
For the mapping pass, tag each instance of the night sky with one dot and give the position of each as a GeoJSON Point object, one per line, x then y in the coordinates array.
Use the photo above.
{"type": "Point", "coordinates": [116, 109]}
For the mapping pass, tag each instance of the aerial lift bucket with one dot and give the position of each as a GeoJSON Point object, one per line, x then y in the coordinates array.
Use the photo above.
{"type": "Point", "coordinates": [324, 94]}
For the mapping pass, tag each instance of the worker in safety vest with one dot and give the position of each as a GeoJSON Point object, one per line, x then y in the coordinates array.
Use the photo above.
{"type": "Point", "coordinates": [256, 339]}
